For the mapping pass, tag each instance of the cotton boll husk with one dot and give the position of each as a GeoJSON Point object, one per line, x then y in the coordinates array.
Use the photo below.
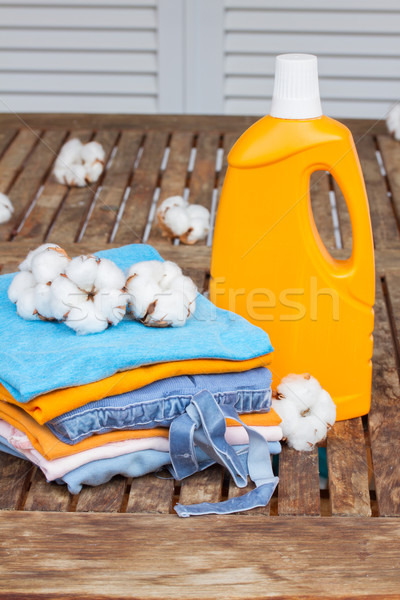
{"type": "Point", "coordinates": [108, 275]}
{"type": "Point", "coordinates": [302, 389]}
{"type": "Point", "coordinates": [170, 271]}
{"type": "Point", "coordinates": [197, 211]}
{"type": "Point", "coordinates": [84, 319]}
{"type": "Point", "coordinates": [197, 231]}
{"type": "Point", "coordinates": [50, 263]}
{"type": "Point", "coordinates": [112, 304]}
{"type": "Point", "coordinates": [92, 152]}
{"type": "Point", "coordinates": [22, 281]}
{"type": "Point", "coordinates": [64, 296]}
{"type": "Point", "coordinates": [170, 202]}
{"type": "Point", "coordinates": [168, 309]}
{"type": "Point", "coordinates": [43, 302]}
{"type": "Point", "coordinates": [177, 220]}
{"type": "Point", "coordinates": [82, 271]}
{"type": "Point", "coordinates": [26, 264]}
{"type": "Point", "coordinates": [141, 292]}
{"type": "Point", "coordinates": [6, 208]}
{"type": "Point", "coordinates": [393, 121]}
{"type": "Point", "coordinates": [26, 305]}
{"type": "Point", "coordinates": [150, 269]}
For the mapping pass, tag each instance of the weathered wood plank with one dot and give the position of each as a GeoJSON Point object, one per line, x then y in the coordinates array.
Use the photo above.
{"type": "Point", "coordinates": [135, 215]}
{"type": "Point", "coordinates": [202, 180]}
{"type": "Point", "coordinates": [205, 486]}
{"type": "Point", "coordinates": [386, 234]}
{"type": "Point", "coordinates": [384, 418]}
{"type": "Point", "coordinates": [44, 213]}
{"type": "Point", "coordinates": [390, 151]}
{"type": "Point", "coordinates": [46, 496]}
{"type": "Point", "coordinates": [162, 556]}
{"type": "Point", "coordinates": [348, 469]}
{"type": "Point", "coordinates": [38, 166]}
{"type": "Point", "coordinates": [16, 154]}
{"type": "Point", "coordinates": [174, 177]}
{"type": "Point", "coordinates": [151, 494]}
{"type": "Point", "coordinates": [321, 207]}
{"type": "Point", "coordinates": [105, 205]}
{"type": "Point", "coordinates": [106, 498]}
{"type": "Point", "coordinates": [72, 215]}
{"type": "Point", "coordinates": [14, 480]}
{"type": "Point", "coordinates": [6, 138]}
{"type": "Point", "coordinates": [346, 233]}
{"type": "Point", "coordinates": [298, 489]}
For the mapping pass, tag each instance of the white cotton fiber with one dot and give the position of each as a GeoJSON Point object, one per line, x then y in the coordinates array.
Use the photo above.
{"type": "Point", "coordinates": [79, 164]}
{"type": "Point", "coordinates": [393, 121]}
{"type": "Point", "coordinates": [26, 264]}
{"type": "Point", "coordinates": [22, 281]}
{"type": "Point", "coordinates": [178, 219]}
{"type": "Point", "coordinates": [48, 264]}
{"type": "Point", "coordinates": [6, 208]}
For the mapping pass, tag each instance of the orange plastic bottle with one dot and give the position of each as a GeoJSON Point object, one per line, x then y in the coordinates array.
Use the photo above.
{"type": "Point", "coordinates": [269, 263]}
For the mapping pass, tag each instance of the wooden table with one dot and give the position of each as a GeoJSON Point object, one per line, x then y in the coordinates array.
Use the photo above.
{"type": "Point", "coordinates": [122, 539]}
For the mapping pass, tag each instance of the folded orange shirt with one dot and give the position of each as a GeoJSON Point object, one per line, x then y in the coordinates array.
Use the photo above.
{"type": "Point", "coordinates": [48, 406]}
{"type": "Point", "coordinates": [51, 447]}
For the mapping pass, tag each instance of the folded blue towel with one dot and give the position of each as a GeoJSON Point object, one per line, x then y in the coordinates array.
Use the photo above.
{"type": "Point", "coordinates": [38, 357]}
{"type": "Point", "coordinates": [160, 402]}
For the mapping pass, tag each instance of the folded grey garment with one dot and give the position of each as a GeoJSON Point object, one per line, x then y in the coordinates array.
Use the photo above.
{"type": "Point", "coordinates": [160, 402]}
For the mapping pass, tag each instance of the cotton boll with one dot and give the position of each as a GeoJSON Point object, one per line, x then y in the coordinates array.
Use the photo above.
{"type": "Point", "coordinates": [150, 269]}
{"type": "Point", "coordinates": [108, 275]}
{"type": "Point", "coordinates": [177, 220]}
{"type": "Point", "coordinates": [43, 303]}
{"type": "Point", "coordinates": [325, 408]}
{"type": "Point", "coordinates": [64, 296]}
{"type": "Point", "coordinates": [50, 263]}
{"type": "Point", "coordinates": [303, 389]}
{"type": "Point", "coordinates": [92, 152]}
{"type": "Point", "coordinates": [309, 433]}
{"type": "Point", "coordinates": [168, 309]}
{"type": "Point", "coordinates": [26, 264]}
{"type": "Point", "coordinates": [6, 208]}
{"type": "Point", "coordinates": [93, 172]}
{"type": "Point", "coordinates": [170, 202]}
{"type": "Point", "coordinates": [26, 305]}
{"type": "Point", "coordinates": [188, 288]}
{"type": "Point", "coordinates": [82, 271]}
{"type": "Point", "coordinates": [71, 151]}
{"type": "Point", "coordinates": [197, 211]}
{"type": "Point", "coordinates": [393, 121]}
{"type": "Point", "coordinates": [22, 281]}
{"type": "Point", "coordinates": [74, 175]}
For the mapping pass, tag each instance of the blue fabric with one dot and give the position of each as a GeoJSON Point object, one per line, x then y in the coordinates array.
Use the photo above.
{"type": "Point", "coordinates": [37, 357]}
{"type": "Point", "coordinates": [203, 423]}
{"type": "Point", "coordinates": [6, 447]}
{"type": "Point", "coordinates": [160, 402]}
{"type": "Point", "coordinates": [134, 465]}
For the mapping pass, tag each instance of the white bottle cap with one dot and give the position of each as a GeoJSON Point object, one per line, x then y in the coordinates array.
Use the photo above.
{"type": "Point", "coordinates": [296, 89]}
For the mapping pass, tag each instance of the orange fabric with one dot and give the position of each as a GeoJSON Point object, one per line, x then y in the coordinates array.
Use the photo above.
{"type": "Point", "coordinates": [48, 406]}
{"type": "Point", "coordinates": [51, 447]}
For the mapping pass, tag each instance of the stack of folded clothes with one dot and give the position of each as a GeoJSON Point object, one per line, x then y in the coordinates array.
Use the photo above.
{"type": "Point", "coordinates": [85, 408]}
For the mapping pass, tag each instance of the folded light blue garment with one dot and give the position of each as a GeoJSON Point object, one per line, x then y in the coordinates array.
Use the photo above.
{"type": "Point", "coordinates": [160, 402]}
{"type": "Point", "coordinates": [135, 465]}
{"type": "Point", "coordinates": [37, 357]}
{"type": "Point", "coordinates": [6, 447]}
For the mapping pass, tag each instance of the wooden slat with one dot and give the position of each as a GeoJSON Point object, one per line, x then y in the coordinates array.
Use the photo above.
{"type": "Point", "coordinates": [74, 209]}
{"type": "Point", "coordinates": [205, 486]}
{"type": "Point", "coordinates": [202, 180]}
{"type": "Point", "coordinates": [151, 494]}
{"type": "Point", "coordinates": [107, 497]}
{"type": "Point", "coordinates": [298, 489]}
{"type": "Point", "coordinates": [174, 177]}
{"type": "Point", "coordinates": [45, 210]}
{"type": "Point", "coordinates": [15, 155]}
{"type": "Point", "coordinates": [14, 480]}
{"type": "Point", "coordinates": [6, 137]}
{"type": "Point", "coordinates": [321, 208]}
{"type": "Point", "coordinates": [104, 211]}
{"type": "Point", "coordinates": [386, 234]}
{"type": "Point", "coordinates": [344, 219]}
{"type": "Point", "coordinates": [390, 150]}
{"type": "Point", "coordinates": [162, 556]}
{"type": "Point", "coordinates": [46, 496]}
{"type": "Point", "coordinates": [38, 165]}
{"type": "Point", "coordinates": [383, 428]}
{"type": "Point", "coordinates": [384, 418]}
{"type": "Point", "coordinates": [348, 469]}
{"type": "Point", "coordinates": [134, 217]}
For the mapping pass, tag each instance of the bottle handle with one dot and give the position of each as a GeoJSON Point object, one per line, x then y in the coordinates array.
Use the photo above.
{"type": "Point", "coordinates": [346, 170]}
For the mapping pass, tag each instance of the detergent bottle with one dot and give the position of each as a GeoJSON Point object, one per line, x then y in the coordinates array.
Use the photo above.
{"type": "Point", "coordinates": [269, 263]}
